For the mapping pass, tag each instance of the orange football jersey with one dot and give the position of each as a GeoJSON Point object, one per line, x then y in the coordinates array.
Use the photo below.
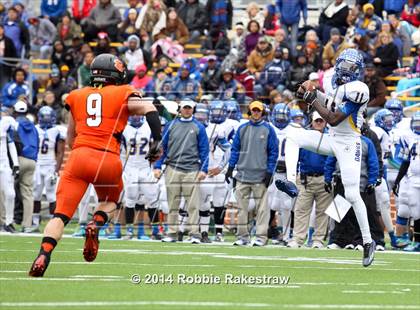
{"type": "Point", "coordinates": [100, 115]}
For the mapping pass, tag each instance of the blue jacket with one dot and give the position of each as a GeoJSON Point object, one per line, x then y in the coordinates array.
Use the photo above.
{"type": "Point", "coordinates": [275, 73]}
{"type": "Point", "coordinates": [11, 92]}
{"type": "Point", "coordinates": [184, 152]}
{"type": "Point", "coordinates": [290, 11]}
{"type": "Point", "coordinates": [184, 89]}
{"type": "Point", "coordinates": [54, 10]}
{"type": "Point", "coordinates": [369, 170]}
{"type": "Point", "coordinates": [231, 90]}
{"type": "Point", "coordinates": [310, 162]}
{"type": "Point", "coordinates": [29, 139]}
{"type": "Point", "coordinates": [255, 150]}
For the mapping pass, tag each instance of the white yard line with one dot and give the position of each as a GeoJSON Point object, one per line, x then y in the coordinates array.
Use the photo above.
{"type": "Point", "coordinates": [371, 292]}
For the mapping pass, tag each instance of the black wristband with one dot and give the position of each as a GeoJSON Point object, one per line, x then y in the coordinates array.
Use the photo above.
{"type": "Point", "coordinates": [153, 120]}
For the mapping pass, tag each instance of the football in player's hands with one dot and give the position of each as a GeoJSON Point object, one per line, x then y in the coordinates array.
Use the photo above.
{"type": "Point", "coordinates": [308, 85]}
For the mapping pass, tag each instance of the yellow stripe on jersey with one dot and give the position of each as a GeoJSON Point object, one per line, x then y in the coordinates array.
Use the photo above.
{"type": "Point", "coordinates": [352, 125]}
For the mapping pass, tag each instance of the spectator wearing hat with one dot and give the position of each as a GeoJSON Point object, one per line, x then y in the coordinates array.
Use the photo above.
{"type": "Point", "coordinates": [175, 29]}
{"type": "Point", "coordinates": [275, 75]}
{"type": "Point", "coordinates": [27, 145]}
{"type": "Point", "coordinates": [185, 153]}
{"type": "Point", "coordinates": [58, 55]}
{"type": "Point", "coordinates": [211, 75]}
{"type": "Point", "coordinates": [104, 17]}
{"type": "Point", "coordinates": [335, 46]}
{"type": "Point", "coordinates": [229, 88]}
{"type": "Point", "coordinates": [377, 89]}
{"type": "Point", "coordinates": [260, 56]}
{"type": "Point", "coordinates": [216, 44]}
{"type": "Point", "coordinates": [128, 26]}
{"type": "Point", "coordinates": [83, 72]}
{"type": "Point", "coordinates": [194, 15]}
{"type": "Point", "coordinates": [251, 39]}
{"type": "Point", "coordinates": [135, 55]}
{"type": "Point", "coordinates": [18, 33]}
{"type": "Point", "coordinates": [386, 54]}
{"type": "Point", "coordinates": [184, 87]}
{"type": "Point", "coordinates": [244, 76]}
{"type": "Point", "coordinates": [333, 16]}
{"type": "Point", "coordinates": [42, 31]}
{"type": "Point", "coordinates": [255, 167]}
{"type": "Point", "coordinates": [67, 29]}
{"type": "Point", "coordinates": [69, 81]}
{"type": "Point", "coordinates": [368, 22]}
{"type": "Point", "coordinates": [16, 88]}
{"type": "Point", "coordinates": [141, 79]}
{"type": "Point", "coordinates": [311, 190]}
{"type": "Point", "coordinates": [53, 10]}
{"type": "Point", "coordinates": [238, 37]}
{"type": "Point", "coordinates": [135, 5]}
{"type": "Point", "coordinates": [289, 14]}
{"type": "Point", "coordinates": [160, 85]}
{"type": "Point", "coordinates": [8, 50]}
{"type": "Point", "coordinates": [219, 14]}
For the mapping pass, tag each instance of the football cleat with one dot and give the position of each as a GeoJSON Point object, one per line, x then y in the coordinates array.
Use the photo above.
{"type": "Point", "coordinates": [241, 242]}
{"type": "Point", "coordinates": [39, 265]}
{"type": "Point", "coordinates": [114, 236]}
{"type": "Point", "coordinates": [400, 243]}
{"type": "Point", "coordinates": [293, 244]}
{"type": "Point", "coordinates": [413, 247]}
{"type": "Point", "coordinates": [349, 246]}
{"type": "Point", "coordinates": [91, 247]}
{"type": "Point", "coordinates": [258, 242]}
{"type": "Point", "coordinates": [168, 239]}
{"type": "Point", "coordinates": [219, 238]}
{"type": "Point", "coordinates": [333, 246]}
{"type": "Point", "coordinates": [380, 248]}
{"type": "Point", "coordinates": [180, 236]}
{"type": "Point", "coordinates": [193, 240]}
{"type": "Point", "coordinates": [81, 232]}
{"type": "Point", "coordinates": [368, 253]}
{"type": "Point", "coordinates": [317, 245]}
{"type": "Point", "coordinates": [205, 237]}
{"type": "Point", "coordinates": [287, 187]}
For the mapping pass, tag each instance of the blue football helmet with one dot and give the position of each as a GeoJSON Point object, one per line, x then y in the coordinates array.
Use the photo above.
{"type": "Point", "coordinates": [233, 110]}
{"type": "Point", "coordinates": [218, 112]}
{"type": "Point", "coordinates": [298, 117]}
{"type": "Point", "coordinates": [136, 121]}
{"type": "Point", "coordinates": [46, 117]}
{"type": "Point", "coordinates": [348, 67]}
{"type": "Point", "coordinates": [384, 119]}
{"type": "Point", "coordinates": [396, 107]}
{"type": "Point", "coordinates": [415, 123]}
{"type": "Point", "coordinates": [280, 116]}
{"type": "Point", "coordinates": [201, 113]}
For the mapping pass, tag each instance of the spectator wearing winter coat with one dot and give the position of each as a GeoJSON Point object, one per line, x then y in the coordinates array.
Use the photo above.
{"type": "Point", "coordinates": [42, 32]}
{"type": "Point", "coordinates": [254, 13]}
{"type": "Point", "coordinates": [260, 56]}
{"type": "Point", "coordinates": [59, 88]}
{"type": "Point", "coordinates": [216, 44]}
{"type": "Point", "coordinates": [184, 87]}
{"type": "Point", "coordinates": [411, 14]}
{"type": "Point", "coordinates": [251, 39]}
{"type": "Point", "coordinates": [135, 55]}
{"type": "Point", "coordinates": [68, 29]}
{"type": "Point", "coordinates": [401, 32]}
{"type": "Point", "coordinates": [81, 8]}
{"type": "Point", "coordinates": [377, 89]}
{"type": "Point", "coordinates": [155, 87]}
{"type": "Point", "coordinates": [244, 76]}
{"type": "Point", "coordinates": [333, 16]}
{"type": "Point", "coordinates": [211, 75]}
{"type": "Point", "coordinates": [128, 26]}
{"type": "Point", "coordinates": [386, 56]}
{"type": "Point", "coordinates": [18, 33]}
{"type": "Point", "coordinates": [103, 17]}
{"type": "Point", "coordinates": [238, 37]}
{"type": "Point", "coordinates": [174, 29]}
{"type": "Point", "coordinates": [368, 22]}
{"type": "Point", "coordinates": [141, 79]}
{"type": "Point", "coordinates": [289, 12]}
{"type": "Point", "coordinates": [230, 89]}
{"type": "Point", "coordinates": [53, 9]}
{"type": "Point", "coordinates": [16, 88]}
{"type": "Point", "coordinates": [300, 70]}
{"type": "Point", "coordinates": [275, 75]}
{"type": "Point", "coordinates": [334, 46]}
{"type": "Point", "coordinates": [219, 14]}
{"type": "Point", "coordinates": [8, 50]}
{"type": "Point", "coordinates": [194, 16]}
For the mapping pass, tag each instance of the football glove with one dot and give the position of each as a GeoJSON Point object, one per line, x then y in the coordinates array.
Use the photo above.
{"type": "Point", "coordinates": [328, 187]}
{"type": "Point", "coordinates": [287, 187]}
{"type": "Point", "coordinates": [155, 151]}
{"type": "Point", "coordinates": [228, 175]}
{"type": "Point", "coordinates": [370, 189]}
{"type": "Point", "coordinates": [396, 189]}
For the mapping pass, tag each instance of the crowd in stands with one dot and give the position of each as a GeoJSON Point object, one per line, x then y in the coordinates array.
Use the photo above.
{"type": "Point", "coordinates": [262, 56]}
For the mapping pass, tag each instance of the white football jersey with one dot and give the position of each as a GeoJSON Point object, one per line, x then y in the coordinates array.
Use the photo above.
{"type": "Point", "coordinates": [281, 136]}
{"type": "Point", "coordinates": [411, 151]}
{"type": "Point", "coordinates": [385, 140]}
{"type": "Point", "coordinates": [216, 133]}
{"type": "Point", "coordinates": [137, 145]}
{"type": "Point", "coordinates": [351, 99]}
{"type": "Point", "coordinates": [396, 134]}
{"type": "Point", "coordinates": [230, 126]}
{"type": "Point", "coordinates": [7, 126]}
{"type": "Point", "coordinates": [48, 139]}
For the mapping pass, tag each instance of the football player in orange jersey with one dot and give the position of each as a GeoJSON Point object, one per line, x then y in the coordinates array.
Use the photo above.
{"type": "Point", "coordinates": [97, 118]}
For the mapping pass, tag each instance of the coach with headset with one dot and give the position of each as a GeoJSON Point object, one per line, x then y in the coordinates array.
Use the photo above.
{"type": "Point", "coordinates": [254, 154]}
{"type": "Point", "coordinates": [185, 153]}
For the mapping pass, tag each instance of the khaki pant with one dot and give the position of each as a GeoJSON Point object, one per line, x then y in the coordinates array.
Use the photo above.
{"type": "Point", "coordinates": [26, 177]}
{"type": "Point", "coordinates": [182, 184]}
{"type": "Point", "coordinates": [314, 191]}
{"type": "Point", "coordinates": [243, 195]}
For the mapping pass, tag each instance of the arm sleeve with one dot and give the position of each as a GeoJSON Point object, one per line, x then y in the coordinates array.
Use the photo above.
{"type": "Point", "coordinates": [329, 168]}
{"type": "Point", "coordinates": [349, 108]}
{"type": "Point", "coordinates": [203, 148]}
{"type": "Point", "coordinates": [166, 132]}
{"type": "Point", "coordinates": [236, 148]}
{"type": "Point", "coordinates": [273, 150]}
{"type": "Point", "coordinates": [373, 164]}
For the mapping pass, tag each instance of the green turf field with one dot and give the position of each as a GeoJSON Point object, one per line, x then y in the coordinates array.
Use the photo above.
{"type": "Point", "coordinates": [317, 279]}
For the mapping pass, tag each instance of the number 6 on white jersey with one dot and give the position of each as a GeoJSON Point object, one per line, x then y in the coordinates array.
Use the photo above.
{"type": "Point", "coordinates": [94, 109]}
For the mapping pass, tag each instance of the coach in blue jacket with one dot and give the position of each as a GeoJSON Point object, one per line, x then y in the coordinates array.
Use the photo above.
{"type": "Point", "coordinates": [254, 154]}
{"type": "Point", "coordinates": [185, 153]}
